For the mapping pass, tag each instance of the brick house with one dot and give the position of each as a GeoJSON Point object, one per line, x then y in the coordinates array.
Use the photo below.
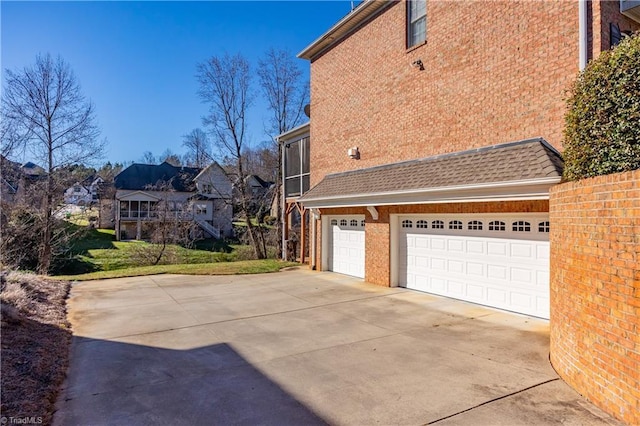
{"type": "Point", "coordinates": [436, 134]}
{"type": "Point", "coordinates": [192, 194]}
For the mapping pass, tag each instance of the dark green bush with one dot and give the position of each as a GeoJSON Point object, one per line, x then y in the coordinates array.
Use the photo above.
{"type": "Point", "coordinates": [602, 133]}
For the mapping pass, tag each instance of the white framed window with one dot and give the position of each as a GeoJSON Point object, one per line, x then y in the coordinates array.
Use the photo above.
{"type": "Point", "coordinates": [423, 224]}
{"type": "Point", "coordinates": [416, 22]}
{"type": "Point", "coordinates": [455, 224]}
{"type": "Point", "coordinates": [474, 225]}
{"type": "Point", "coordinates": [343, 222]}
{"type": "Point", "coordinates": [437, 224]}
{"type": "Point", "coordinates": [407, 223]}
{"type": "Point", "coordinates": [497, 225]}
{"type": "Point", "coordinates": [521, 226]}
{"type": "Point", "coordinates": [201, 209]}
{"type": "Point", "coordinates": [543, 227]}
{"type": "Point", "coordinates": [334, 222]}
{"type": "Point", "coordinates": [353, 222]}
{"type": "Point", "coordinates": [362, 222]}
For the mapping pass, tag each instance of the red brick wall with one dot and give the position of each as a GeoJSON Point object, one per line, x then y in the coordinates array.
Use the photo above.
{"type": "Point", "coordinates": [595, 290]}
{"type": "Point", "coordinates": [377, 233]}
{"type": "Point", "coordinates": [605, 12]}
{"type": "Point", "coordinates": [495, 71]}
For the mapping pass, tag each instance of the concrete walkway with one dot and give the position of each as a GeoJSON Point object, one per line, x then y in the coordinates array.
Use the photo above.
{"type": "Point", "coordinates": [301, 347]}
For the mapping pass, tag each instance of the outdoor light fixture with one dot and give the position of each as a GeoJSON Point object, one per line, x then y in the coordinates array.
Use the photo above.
{"type": "Point", "coordinates": [353, 153]}
{"type": "Point", "coordinates": [418, 64]}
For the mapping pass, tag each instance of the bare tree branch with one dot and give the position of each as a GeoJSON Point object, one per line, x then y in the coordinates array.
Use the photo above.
{"type": "Point", "coordinates": [47, 115]}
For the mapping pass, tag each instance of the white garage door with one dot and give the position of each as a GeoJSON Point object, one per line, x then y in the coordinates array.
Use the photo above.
{"type": "Point", "coordinates": [495, 260]}
{"type": "Point", "coordinates": [347, 245]}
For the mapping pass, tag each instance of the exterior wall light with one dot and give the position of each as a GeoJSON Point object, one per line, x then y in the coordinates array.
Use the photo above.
{"type": "Point", "coordinates": [353, 153]}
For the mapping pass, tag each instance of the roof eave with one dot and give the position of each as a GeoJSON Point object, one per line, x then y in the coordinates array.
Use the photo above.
{"type": "Point", "coordinates": [532, 189]}
{"type": "Point", "coordinates": [296, 131]}
{"type": "Point", "coordinates": [343, 27]}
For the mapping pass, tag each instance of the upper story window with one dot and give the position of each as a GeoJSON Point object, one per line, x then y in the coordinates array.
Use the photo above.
{"type": "Point", "coordinates": [296, 167]}
{"type": "Point", "coordinates": [416, 22]}
{"type": "Point", "coordinates": [207, 188]}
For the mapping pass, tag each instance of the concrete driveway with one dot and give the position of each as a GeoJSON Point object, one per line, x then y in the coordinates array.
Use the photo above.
{"type": "Point", "coordinates": [301, 347]}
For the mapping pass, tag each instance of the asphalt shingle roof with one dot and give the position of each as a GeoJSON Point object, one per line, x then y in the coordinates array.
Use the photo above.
{"type": "Point", "coordinates": [141, 176]}
{"type": "Point", "coordinates": [516, 161]}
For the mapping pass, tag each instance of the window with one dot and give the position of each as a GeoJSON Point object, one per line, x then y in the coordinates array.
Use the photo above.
{"type": "Point", "coordinates": [201, 209]}
{"type": "Point", "coordinates": [343, 222]}
{"type": "Point", "coordinates": [497, 225]}
{"type": "Point", "coordinates": [334, 222]}
{"type": "Point", "coordinates": [353, 222]}
{"type": "Point", "coordinates": [207, 188]}
{"type": "Point", "coordinates": [296, 167]}
{"type": "Point", "coordinates": [437, 224]}
{"type": "Point", "coordinates": [455, 224]}
{"type": "Point", "coordinates": [422, 224]}
{"type": "Point", "coordinates": [543, 227]}
{"type": "Point", "coordinates": [474, 225]}
{"type": "Point", "coordinates": [416, 22]}
{"type": "Point", "coordinates": [362, 222]}
{"type": "Point", "coordinates": [521, 226]}
{"type": "Point", "coordinates": [407, 224]}
{"type": "Point", "coordinates": [76, 189]}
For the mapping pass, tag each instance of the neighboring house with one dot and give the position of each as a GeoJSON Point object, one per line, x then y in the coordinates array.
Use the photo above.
{"type": "Point", "coordinates": [193, 194]}
{"type": "Point", "coordinates": [436, 135]}
{"type": "Point", "coordinates": [78, 195]}
{"type": "Point", "coordinates": [20, 183]}
{"type": "Point", "coordinates": [83, 195]}
{"type": "Point", "coordinates": [258, 187]}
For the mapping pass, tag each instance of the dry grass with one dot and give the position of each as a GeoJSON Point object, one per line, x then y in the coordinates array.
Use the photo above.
{"type": "Point", "coordinates": [35, 344]}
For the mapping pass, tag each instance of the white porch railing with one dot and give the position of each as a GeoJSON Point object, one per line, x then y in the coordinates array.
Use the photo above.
{"type": "Point", "coordinates": [210, 229]}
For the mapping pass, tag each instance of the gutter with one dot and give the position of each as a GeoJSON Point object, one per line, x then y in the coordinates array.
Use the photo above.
{"type": "Point", "coordinates": [458, 188]}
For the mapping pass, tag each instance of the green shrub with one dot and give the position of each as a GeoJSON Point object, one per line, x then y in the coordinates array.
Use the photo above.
{"type": "Point", "coordinates": [602, 133]}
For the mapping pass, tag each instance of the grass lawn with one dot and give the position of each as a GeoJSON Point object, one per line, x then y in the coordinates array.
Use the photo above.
{"type": "Point", "coordinates": [219, 268]}
{"type": "Point", "coordinates": [99, 256]}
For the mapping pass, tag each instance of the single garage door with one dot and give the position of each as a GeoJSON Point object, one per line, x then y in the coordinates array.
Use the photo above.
{"type": "Point", "coordinates": [347, 245]}
{"type": "Point", "coordinates": [495, 260]}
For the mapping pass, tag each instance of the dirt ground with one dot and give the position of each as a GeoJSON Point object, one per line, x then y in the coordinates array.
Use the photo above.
{"type": "Point", "coordinates": [35, 339]}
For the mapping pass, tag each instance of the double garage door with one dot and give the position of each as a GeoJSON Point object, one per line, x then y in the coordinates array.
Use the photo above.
{"type": "Point", "coordinates": [494, 260]}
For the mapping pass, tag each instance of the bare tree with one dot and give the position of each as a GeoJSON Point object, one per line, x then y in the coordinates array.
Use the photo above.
{"type": "Point", "coordinates": [287, 94]}
{"type": "Point", "coordinates": [149, 158]}
{"type": "Point", "coordinates": [51, 120]}
{"type": "Point", "coordinates": [198, 148]}
{"type": "Point", "coordinates": [225, 86]}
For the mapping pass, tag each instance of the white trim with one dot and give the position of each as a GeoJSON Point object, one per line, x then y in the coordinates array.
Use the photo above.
{"type": "Point", "coordinates": [505, 191]}
{"type": "Point", "coordinates": [373, 211]}
{"type": "Point", "coordinates": [394, 249]}
{"type": "Point", "coordinates": [325, 223]}
{"type": "Point", "coordinates": [294, 133]}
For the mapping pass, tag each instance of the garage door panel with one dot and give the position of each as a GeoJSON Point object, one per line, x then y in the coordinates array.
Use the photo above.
{"type": "Point", "coordinates": [507, 269]}
{"type": "Point", "coordinates": [347, 245]}
{"type": "Point", "coordinates": [438, 243]}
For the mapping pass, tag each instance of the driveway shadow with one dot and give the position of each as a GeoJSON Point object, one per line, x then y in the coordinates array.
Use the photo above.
{"type": "Point", "coordinates": [120, 383]}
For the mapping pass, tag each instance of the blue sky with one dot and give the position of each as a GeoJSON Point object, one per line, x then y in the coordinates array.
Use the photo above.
{"type": "Point", "coordinates": [136, 60]}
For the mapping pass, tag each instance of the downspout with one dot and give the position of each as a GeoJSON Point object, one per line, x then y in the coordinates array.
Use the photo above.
{"type": "Point", "coordinates": [583, 33]}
